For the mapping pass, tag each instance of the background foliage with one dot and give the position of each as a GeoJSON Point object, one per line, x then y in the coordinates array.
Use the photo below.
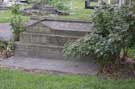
{"type": "Point", "coordinates": [113, 36]}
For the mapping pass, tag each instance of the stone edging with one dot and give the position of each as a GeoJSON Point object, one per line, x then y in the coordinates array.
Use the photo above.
{"type": "Point", "coordinates": [60, 19]}
{"type": "Point", "coordinates": [35, 20]}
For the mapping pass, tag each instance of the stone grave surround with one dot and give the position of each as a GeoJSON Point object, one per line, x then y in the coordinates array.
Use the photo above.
{"type": "Point", "coordinates": [41, 9]}
{"type": "Point", "coordinates": [46, 38]}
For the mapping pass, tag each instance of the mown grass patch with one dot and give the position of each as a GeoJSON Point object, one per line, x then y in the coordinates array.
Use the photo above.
{"type": "Point", "coordinates": [77, 10]}
{"type": "Point", "coordinates": [10, 79]}
{"type": "Point", "coordinates": [6, 15]}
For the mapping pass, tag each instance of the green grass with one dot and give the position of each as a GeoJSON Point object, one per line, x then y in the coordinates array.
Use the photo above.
{"type": "Point", "coordinates": [21, 80]}
{"type": "Point", "coordinates": [6, 15]}
{"type": "Point", "coordinates": [77, 10]}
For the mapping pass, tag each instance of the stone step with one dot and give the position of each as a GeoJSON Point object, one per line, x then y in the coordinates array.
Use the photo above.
{"type": "Point", "coordinates": [40, 38]}
{"type": "Point", "coordinates": [44, 65]}
{"type": "Point", "coordinates": [58, 32]}
{"type": "Point", "coordinates": [45, 51]}
{"type": "Point", "coordinates": [39, 51]}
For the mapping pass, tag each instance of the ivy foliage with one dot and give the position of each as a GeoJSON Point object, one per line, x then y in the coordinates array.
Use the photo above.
{"type": "Point", "coordinates": [112, 36]}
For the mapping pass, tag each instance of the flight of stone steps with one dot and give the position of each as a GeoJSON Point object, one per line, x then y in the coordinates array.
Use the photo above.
{"type": "Point", "coordinates": [46, 38]}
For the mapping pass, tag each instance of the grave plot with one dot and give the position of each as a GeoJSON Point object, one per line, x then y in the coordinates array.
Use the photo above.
{"type": "Point", "coordinates": [41, 9]}
{"type": "Point", "coordinates": [46, 38]}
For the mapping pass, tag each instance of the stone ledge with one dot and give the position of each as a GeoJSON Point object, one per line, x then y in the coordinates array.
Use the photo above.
{"type": "Point", "coordinates": [51, 66]}
{"type": "Point", "coordinates": [62, 25]}
{"type": "Point", "coordinates": [47, 38]}
{"type": "Point", "coordinates": [59, 19]}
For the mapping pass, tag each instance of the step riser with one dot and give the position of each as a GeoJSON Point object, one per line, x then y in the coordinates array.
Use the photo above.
{"type": "Point", "coordinates": [69, 33]}
{"type": "Point", "coordinates": [38, 48]}
{"type": "Point", "coordinates": [39, 52]}
{"type": "Point", "coordinates": [46, 39]}
{"type": "Point", "coordinates": [31, 54]}
{"type": "Point", "coordinates": [56, 32]}
{"type": "Point", "coordinates": [49, 55]}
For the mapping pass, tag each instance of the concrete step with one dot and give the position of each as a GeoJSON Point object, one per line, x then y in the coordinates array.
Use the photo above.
{"type": "Point", "coordinates": [39, 51]}
{"type": "Point", "coordinates": [41, 38]}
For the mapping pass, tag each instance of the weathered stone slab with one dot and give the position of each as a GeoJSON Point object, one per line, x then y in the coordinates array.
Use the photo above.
{"type": "Point", "coordinates": [71, 26]}
{"type": "Point", "coordinates": [41, 38]}
{"type": "Point", "coordinates": [42, 9]}
{"type": "Point", "coordinates": [5, 32]}
{"type": "Point", "coordinates": [39, 51]}
{"type": "Point", "coordinates": [52, 66]}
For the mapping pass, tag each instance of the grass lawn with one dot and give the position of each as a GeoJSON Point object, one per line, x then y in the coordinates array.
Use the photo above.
{"type": "Point", "coordinates": [10, 79]}
{"type": "Point", "coordinates": [77, 10]}
{"type": "Point", "coordinates": [6, 15]}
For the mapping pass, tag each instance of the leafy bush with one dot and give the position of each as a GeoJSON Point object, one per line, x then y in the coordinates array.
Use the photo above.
{"type": "Point", "coordinates": [6, 49]}
{"type": "Point", "coordinates": [60, 4]}
{"type": "Point", "coordinates": [15, 9]}
{"type": "Point", "coordinates": [17, 26]}
{"type": "Point", "coordinates": [112, 37]}
{"type": "Point", "coordinates": [32, 1]}
{"type": "Point", "coordinates": [17, 22]}
{"type": "Point", "coordinates": [4, 45]}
